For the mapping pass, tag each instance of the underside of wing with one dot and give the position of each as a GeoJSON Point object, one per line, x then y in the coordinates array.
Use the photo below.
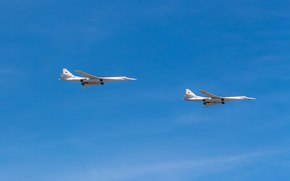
{"type": "Point", "coordinates": [86, 75]}
{"type": "Point", "coordinates": [90, 84]}
{"type": "Point", "coordinates": [209, 94]}
{"type": "Point", "coordinates": [210, 104]}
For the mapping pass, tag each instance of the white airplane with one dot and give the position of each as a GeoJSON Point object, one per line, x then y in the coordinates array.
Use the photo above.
{"type": "Point", "coordinates": [212, 99]}
{"type": "Point", "coordinates": [88, 80]}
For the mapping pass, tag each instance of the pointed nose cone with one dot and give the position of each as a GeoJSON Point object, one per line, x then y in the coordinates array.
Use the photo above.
{"type": "Point", "coordinates": [127, 78]}
{"type": "Point", "coordinates": [250, 98]}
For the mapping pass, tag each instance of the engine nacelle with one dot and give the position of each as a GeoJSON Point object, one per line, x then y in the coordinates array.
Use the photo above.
{"type": "Point", "coordinates": [85, 79]}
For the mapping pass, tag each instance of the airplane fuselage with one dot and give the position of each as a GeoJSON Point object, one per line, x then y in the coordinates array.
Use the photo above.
{"type": "Point", "coordinates": [88, 80]}
{"type": "Point", "coordinates": [221, 100]}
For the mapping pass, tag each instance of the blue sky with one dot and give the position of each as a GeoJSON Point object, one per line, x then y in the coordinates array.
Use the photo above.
{"type": "Point", "coordinates": [142, 130]}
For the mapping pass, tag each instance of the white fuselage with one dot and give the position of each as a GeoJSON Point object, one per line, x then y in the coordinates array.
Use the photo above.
{"type": "Point", "coordinates": [87, 82]}
{"type": "Point", "coordinates": [221, 100]}
{"type": "Point", "coordinates": [72, 79]}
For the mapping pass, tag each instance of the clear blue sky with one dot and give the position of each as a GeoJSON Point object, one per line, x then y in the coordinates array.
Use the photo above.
{"type": "Point", "coordinates": [56, 131]}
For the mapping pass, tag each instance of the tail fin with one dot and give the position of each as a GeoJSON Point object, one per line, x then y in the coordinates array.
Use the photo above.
{"type": "Point", "coordinates": [189, 93]}
{"type": "Point", "coordinates": [66, 73]}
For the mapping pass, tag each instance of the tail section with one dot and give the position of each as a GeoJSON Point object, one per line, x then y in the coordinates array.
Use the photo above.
{"type": "Point", "coordinates": [66, 74]}
{"type": "Point", "coordinates": [189, 93]}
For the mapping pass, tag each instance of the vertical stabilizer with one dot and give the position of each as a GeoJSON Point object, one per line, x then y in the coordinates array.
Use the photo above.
{"type": "Point", "coordinates": [67, 73]}
{"type": "Point", "coordinates": [189, 93]}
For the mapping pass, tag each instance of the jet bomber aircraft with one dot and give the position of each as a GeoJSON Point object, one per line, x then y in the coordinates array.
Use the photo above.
{"type": "Point", "coordinates": [212, 99]}
{"type": "Point", "coordinates": [88, 80]}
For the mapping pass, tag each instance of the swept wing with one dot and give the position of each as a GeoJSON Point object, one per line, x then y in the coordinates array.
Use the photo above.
{"type": "Point", "coordinates": [210, 95]}
{"type": "Point", "coordinates": [87, 75]}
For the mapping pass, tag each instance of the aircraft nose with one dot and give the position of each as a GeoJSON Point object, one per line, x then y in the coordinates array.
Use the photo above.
{"type": "Point", "coordinates": [251, 98]}
{"type": "Point", "coordinates": [126, 78]}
